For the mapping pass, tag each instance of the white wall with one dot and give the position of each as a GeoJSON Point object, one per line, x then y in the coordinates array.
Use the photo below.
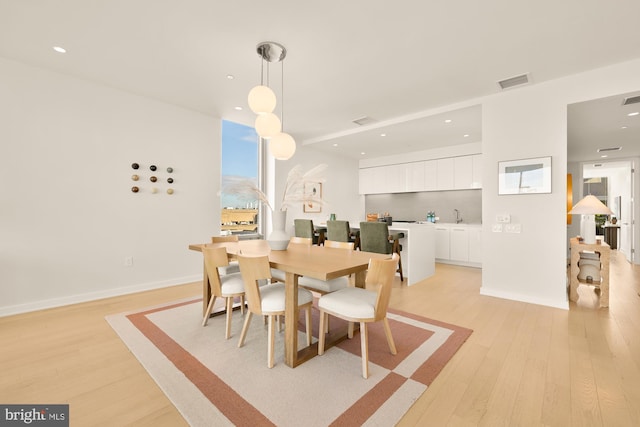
{"type": "Point", "coordinates": [339, 191]}
{"type": "Point", "coordinates": [532, 122]}
{"type": "Point", "coordinates": [67, 216]}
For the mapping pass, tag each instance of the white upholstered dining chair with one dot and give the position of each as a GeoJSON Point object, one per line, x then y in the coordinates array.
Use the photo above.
{"type": "Point", "coordinates": [268, 300]}
{"type": "Point", "coordinates": [362, 305]}
{"type": "Point", "coordinates": [229, 286]}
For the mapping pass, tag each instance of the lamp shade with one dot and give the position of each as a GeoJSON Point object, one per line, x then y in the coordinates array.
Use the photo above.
{"type": "Point", "coordinates": [282, 146]}
{"type": "Point", "coordinates": [268, 125]}
{"type": "Point", "coordinates": [590, 205]}
{"type": "Point", "coordinates": [261, 99]}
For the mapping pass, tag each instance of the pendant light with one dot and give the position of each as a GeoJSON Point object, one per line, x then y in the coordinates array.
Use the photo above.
{"type": "Point", "coordinates": [262, 101]}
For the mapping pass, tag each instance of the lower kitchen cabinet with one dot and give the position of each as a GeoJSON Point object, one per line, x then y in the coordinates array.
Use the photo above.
{"type": "Point", "coordinates": [459, 244]}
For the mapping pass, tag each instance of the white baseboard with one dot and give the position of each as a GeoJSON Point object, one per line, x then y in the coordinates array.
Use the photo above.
{"type": "Point", "coordinates": [92, 296]}
{"type": "Point", "coordinates": [524, 298]}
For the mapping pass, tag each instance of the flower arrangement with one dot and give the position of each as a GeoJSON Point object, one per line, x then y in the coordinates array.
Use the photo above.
{"type": "Point", "coordinates": [294, 190]}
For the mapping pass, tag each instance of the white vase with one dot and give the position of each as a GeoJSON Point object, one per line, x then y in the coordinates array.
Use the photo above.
{"type": "Point", "coordinates": [278, 239]}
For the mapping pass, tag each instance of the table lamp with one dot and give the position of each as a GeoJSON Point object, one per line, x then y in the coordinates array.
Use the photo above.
{"type": "Point", "coordinates": [588, 208]}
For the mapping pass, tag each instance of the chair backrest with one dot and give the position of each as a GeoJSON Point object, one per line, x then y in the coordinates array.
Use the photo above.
{"type": "Point", "coordinates": [380, 274]}
{"type": "Point", "coordinates": [338, 230]}
{"type": "Point", "coordinates": [227, 238]}
{"type": "Point", "coordinates": [339, 245]}
{"type": "Point", "coordinates": [302, 240]}
{"type": "Point", "coordinates": [214, 258]}
{"type": "Point", "coordinates": [303, 228]}
{"type": "Point", "coordinates": [253, 270]}
{"type": "Point", "coordinates": [374, 237]}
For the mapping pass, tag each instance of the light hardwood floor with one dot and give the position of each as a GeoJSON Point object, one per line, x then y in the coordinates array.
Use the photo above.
{"type": "Point", "coordinates": [523, 365]}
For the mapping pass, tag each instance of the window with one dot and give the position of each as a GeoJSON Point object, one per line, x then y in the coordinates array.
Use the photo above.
{"type": "Point", "coordinates": [240, 161]}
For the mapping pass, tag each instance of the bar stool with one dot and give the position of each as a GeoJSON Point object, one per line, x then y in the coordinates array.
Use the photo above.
{"type": "Point", "coordinates": [375, 237]}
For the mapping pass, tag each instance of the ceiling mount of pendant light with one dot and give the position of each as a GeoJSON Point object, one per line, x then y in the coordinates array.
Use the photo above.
{"type": "Point", "coordinates": [262, 101]}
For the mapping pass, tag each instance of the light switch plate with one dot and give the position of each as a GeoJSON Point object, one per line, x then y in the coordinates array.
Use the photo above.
{"type": "Point", "coordinates": [503, 219]}
{"type": "Point", "coordinates": [496, 228]}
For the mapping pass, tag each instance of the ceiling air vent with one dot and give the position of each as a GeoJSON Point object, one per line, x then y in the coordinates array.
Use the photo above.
{"type": "Point", "coordinates": [514, 81]}
{"type": "Point", "coordinates": [631, 100]}
{"type": "Point", "coordinates": [604, 150]}
{"type": "Point", "coordinates": [362, 121]}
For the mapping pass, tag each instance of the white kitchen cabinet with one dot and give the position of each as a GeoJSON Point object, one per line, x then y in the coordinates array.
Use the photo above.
{"type": "Point", "coordinates": [475, 244]}
{"type": "Point", "coordinates": [415, 176]}
{"type": "Point", "coordinates": [430, 175]}
{"type": "Point", "coordinates": [463, 172]}
{"type": "Point", "coordinates": [367, 181]}
{"type": "Point", "coordinates": [445, 174]}
{"type": "Point", "coordinates": [459, 244]}
{"type": "Point", "coordinates": [442, 242]}
{"type": "Point", "coordinates": [477, 171]}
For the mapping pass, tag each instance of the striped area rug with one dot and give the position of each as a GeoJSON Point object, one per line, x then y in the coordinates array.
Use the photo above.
{"type": "Point", "coordinates": [212, 382]}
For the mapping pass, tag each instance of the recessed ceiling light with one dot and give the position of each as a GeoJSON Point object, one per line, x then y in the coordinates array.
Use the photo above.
{"type": "Point", "coordinates": [448, 121]}
{"type": "Point", "coordinates": [604, 156]}
{"type": "Point", "coordinates": [335, 145]}
{"type": "Point", "coordinates": [362, 153]}
{"type": "Point", "coordinates": [238, 108]}
{"type": "Point", "coordinates": [60, 49]}
{"type": "Point", "coordinates": [623, 127]}
{"type": "Point", "coordinates": [230, 77]}
{"type": "Point", "coordinates": [635, 113]}
{"type": "Point", "coordinates": [383, 134]}
{"type": "Point", "coordinates": [466, 135]}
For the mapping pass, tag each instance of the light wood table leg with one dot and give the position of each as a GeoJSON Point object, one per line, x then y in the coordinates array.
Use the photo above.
{"type": "Point", "coordinates": [291, 315]}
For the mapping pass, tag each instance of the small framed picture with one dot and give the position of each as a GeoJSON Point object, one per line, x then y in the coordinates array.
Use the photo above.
{"type": "Point", "coordinates": [313, 197]}
{"type": "Point", "coordinates": [526, 176]}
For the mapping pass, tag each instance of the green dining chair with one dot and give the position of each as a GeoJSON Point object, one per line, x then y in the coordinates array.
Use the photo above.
{"type": "Point", "coordinates": [340, 231]}
{"type": "Point", "coordinates": [304, 228]}
{"type": "Point", "coordinates": [375, 237]}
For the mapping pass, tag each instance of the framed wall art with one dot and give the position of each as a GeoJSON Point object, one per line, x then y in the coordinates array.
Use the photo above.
{"type": "Point", "coordinates": [526, 176]}
{"type": "Point", "coordinates": [313, 197]}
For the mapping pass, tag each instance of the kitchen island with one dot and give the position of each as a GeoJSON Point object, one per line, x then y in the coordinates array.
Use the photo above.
{"type": "Point", "coordinates": [418, 249]}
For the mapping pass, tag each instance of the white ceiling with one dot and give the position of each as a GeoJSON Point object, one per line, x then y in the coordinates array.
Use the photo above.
{"type": "Point", "coordinates": [387, 61]}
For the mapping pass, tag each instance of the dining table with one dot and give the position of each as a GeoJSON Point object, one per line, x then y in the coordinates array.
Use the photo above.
{"type": "Point", "coordinates": [298, 260]}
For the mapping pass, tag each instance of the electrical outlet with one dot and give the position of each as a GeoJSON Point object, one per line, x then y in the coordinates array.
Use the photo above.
{"type": "Point", "coordinates": [496, 228]}
{"type": "Point", "coordinates": [513, 228]}
{"type": "Point", "coordinates": [128, 261]}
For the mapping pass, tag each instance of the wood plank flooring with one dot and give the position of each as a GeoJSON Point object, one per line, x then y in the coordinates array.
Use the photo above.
{"type": "Point", "coordinates": [524, 365]}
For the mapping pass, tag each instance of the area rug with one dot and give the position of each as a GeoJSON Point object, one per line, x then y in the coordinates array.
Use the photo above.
{"type": "Point", "coordinates": [212, 382]}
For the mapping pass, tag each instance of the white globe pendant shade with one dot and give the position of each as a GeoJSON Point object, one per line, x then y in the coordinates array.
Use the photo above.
{"type": "Point", "coordinates": [262, 99]}
{"type": "Point", "coordinates": [282, 146]}
{"type": "Point", "coordinates": [268, 125]}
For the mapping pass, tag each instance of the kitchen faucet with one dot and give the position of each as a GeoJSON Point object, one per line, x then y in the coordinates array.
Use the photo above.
{"type": "Point", "coordinates": [458, 217]}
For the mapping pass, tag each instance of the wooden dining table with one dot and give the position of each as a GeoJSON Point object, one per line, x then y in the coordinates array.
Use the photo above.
{"type": "Point", "coordinates": [298, 260]}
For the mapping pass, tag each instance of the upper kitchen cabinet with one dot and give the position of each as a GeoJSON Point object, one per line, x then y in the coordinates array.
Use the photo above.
{"type": "Point", "coordinates": [383, 179]}
{"type": "Point", "coordinates": [445, 174]}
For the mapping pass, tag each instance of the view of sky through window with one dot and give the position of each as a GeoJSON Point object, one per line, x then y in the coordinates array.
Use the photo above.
{"type": "Point", "coordinates": [239, 159]}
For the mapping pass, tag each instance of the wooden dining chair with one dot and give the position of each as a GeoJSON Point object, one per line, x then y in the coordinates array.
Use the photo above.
{"type": "Point", "coordinates": [362, 305]}
{"type": "Point", "coordinates": [229, 287]}
{"type": "Point", "coordinates": [268, 300]}
{"type": "Point", "coordinates": [233, 265]}
{"type": "Point", "coordinates": [316, 285]}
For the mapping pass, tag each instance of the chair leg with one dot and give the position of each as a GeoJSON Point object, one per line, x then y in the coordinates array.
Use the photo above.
{"type": "Point", "coordinates": [205, 319]}
{"type": "Point", "coordinates": [364, 347]}
{"type": "Point", "coordinates": [387, 332]}
{"type": "Point", "coordinates": [350, 330]}
{"type": "Point", "coordinates": [400, 267]}
{"type": "Point", "coordinates": [271, 339]}
{"type": "Point", "coordinates": [242, 304]}
{"type": "Point", "coordinates": [245, 327]}
{"type": "Point", "coordinates": [323, 321]}
{"type": "Point", "coordinates": [227, 333]}
{"type": "Point", "coordinates": [308, 325]}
